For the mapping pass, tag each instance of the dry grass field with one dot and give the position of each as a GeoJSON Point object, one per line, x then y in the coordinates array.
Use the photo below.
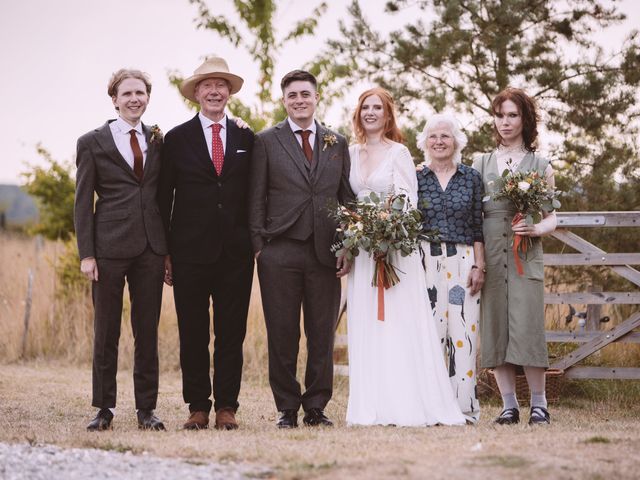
{"type": "Point", "coordinates": [589, 438]}
{"type": "Point", "coordinates": [62, 329]}
{"type": "Point", "coordinates": [45, 398]}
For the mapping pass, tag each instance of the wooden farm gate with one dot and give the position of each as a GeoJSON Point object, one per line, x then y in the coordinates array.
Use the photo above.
{"type": "Point", "coordinates": [592, 340]}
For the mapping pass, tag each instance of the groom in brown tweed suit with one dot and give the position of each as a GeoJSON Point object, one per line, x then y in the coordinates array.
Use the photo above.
{"type": "Point", "coordinates": [298, 169]}
{"type": "Point", "coordinates": [122, 237]}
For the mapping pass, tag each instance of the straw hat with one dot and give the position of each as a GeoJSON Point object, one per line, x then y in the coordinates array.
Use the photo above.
{"type": "Point", "coordinates": [212, 67]}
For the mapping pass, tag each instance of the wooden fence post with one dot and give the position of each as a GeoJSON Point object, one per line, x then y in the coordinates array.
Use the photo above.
{"type": "Point", "coordinates": [594, 311]}
{"type": "Point", "coordinates": [27, 313]}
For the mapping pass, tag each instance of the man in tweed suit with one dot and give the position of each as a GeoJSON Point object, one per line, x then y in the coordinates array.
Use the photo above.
{"type": "Point", "coordinates": [299, 168]}
{"type": "Point", "coordinates": [122, 237]}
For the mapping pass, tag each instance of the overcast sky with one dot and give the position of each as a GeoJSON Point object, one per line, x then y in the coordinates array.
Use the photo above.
{"type": "Point", "coordinates": [57, 56]}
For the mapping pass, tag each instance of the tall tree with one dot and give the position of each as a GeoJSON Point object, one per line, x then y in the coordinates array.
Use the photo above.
{"type": "Point", "coordinates": [474, 48]}
{"type": "Point", "coordinates": [256, 33]}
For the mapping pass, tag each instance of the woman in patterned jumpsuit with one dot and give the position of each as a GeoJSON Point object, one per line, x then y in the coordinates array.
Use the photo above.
{"type": "Point", "coordinates": [450, 197]}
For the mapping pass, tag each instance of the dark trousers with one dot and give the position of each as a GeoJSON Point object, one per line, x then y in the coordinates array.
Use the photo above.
{"type": "Point", "coordinates": [144, 275]}
{"type": "Point", "coordinates": [227, 283]}
{"type": "Point", "coordinates": [290, 277]}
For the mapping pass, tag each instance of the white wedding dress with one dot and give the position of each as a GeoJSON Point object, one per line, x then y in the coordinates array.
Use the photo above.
{"type": "Point", "coordinates": [397, 373]}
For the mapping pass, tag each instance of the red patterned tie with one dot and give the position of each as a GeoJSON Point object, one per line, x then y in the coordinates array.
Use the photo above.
{"type": "Point", "coordinates": [217, 152]}
{"type": "Point", "coordinates": [137, 154]}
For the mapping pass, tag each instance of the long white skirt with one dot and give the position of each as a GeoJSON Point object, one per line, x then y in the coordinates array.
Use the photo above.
{"type": "Point", "coordinates": [397, 373]}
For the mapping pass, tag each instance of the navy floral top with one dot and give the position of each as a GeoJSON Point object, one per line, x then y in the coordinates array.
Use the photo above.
{"type": "Point", "coordinates": [456, 213]}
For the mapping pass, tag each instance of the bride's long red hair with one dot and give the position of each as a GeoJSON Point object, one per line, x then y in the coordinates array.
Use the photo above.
{"type": "Point", "coordinates": [391, 130]}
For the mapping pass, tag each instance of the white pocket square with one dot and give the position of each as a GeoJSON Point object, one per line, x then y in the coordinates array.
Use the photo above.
{"type": "Point", "coordinates": [241, 151]}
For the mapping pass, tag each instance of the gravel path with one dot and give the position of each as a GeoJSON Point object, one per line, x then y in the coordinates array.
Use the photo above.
{"type": "Point", "coordinates": [47, 462]}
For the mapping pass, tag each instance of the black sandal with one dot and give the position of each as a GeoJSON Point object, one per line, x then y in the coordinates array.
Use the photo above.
{"type": "Point", "coordinates": [539, 415]}
{"type": "Point", "coordinates": [509, 416]}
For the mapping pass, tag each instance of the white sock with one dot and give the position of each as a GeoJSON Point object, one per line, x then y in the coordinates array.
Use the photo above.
{"type": "Point", "coordinates": [538, 399]}
{"type": "Point", "coordinates": [510, 401]}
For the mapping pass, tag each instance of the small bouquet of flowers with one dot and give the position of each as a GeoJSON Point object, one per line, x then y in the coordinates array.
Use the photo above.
{"type": "Point", "coordinates": [379, 226]}
{"type": "Point", "coordinates": [531, 195]}
{"type": "Point", "coordinates": [156, 134]}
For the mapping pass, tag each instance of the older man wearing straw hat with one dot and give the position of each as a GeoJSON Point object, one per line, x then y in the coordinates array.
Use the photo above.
{"type": "Point", "coordinates": [203, 201]}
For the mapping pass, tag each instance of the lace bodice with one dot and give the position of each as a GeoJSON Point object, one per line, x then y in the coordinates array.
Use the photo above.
{"type": "Point", "coordinates": [395, 174]}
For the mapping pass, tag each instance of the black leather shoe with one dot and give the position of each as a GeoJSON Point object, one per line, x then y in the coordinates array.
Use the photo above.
{"type": "Point", "coordinates": [539, 416]}
{"type": "Point", "coordinates": [101, 422]}
{"type": "Point", "coordinates": [148, 421]}
{"type": "Point", "coordinates": [509, 416]}
{"type": "Point", "coordinates": [315, 417]}
{"type": "Point", "coordinates": [288, 419]}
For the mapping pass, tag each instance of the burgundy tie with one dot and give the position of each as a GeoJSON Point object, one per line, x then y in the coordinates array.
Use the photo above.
{"type": "Point", "coordinates": [137, 155]}
{"type": "Point", "coordinates": [306, 146]}
{"type": "Point", "coordinates": [217, 152]}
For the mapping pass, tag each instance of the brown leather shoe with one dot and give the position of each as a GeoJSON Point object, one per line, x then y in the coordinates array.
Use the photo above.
{"type": "Point", "coordinates": [226, 419]}
{"type": "Point", "coordinates": [197, 421]}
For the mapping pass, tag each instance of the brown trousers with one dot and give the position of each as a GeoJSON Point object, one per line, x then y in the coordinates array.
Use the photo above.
{"type": "Point", "coordinates": [144, 275]}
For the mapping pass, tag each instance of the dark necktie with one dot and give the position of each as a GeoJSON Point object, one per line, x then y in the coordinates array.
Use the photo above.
{"type": "Point", "coordinates": [137, 154]}
{"type": "Point", "coordinates": [306, 146]}
{"type": "Point", "coordinates": [217, 152]}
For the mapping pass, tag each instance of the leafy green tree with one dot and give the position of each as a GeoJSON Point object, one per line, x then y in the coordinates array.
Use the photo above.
{"type": "Point", "coordinates": [475, 48]}
{"type": "Point", "coordinates": [472, 49]}
{"type": "Point", "coordinates": [257, 35]}
{"type": "Point", "coordinates": [53, 187]}
{"type": "Point", "coordinates": [71, 282]}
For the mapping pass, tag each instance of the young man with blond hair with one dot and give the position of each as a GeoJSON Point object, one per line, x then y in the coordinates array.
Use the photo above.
{"type": "Point", "coordinates": [120, 237]}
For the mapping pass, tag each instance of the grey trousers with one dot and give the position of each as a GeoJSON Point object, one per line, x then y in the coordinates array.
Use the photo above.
{"type": "Point", "coordinates": [292, 277]}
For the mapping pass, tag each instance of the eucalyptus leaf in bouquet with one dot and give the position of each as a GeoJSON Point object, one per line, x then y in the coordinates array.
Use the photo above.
{"type": "Point", "coordinates": [382, 227]}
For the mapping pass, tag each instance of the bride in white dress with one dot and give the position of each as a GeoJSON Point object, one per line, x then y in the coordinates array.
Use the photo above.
{"type": "Point", "coordinates": [397, 373]}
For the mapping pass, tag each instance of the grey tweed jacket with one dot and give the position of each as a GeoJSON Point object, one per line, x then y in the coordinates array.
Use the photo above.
{"type": "Point", "coordinates": [282, 186]}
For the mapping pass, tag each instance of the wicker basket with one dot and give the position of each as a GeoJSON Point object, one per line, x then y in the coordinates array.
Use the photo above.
{"type": "Point", "coordinates": [553, 387]}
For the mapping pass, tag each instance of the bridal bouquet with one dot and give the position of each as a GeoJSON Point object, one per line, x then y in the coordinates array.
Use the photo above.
{"type": "Point", "coordinates": [531, 195]}
{"type": "Point", "coordinates": [379, 226]}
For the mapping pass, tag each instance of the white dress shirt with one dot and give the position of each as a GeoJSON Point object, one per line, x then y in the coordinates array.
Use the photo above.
{"type": "Point", "coordinates": [120, 131]}
{"type": "Point", "coordinates": [312, 138]}
{"type": "Point", "coordinates": [207, 129]}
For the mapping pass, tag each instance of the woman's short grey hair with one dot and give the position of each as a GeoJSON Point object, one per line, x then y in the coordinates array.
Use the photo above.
{"type": "Point", "coordinates": [459, 137]}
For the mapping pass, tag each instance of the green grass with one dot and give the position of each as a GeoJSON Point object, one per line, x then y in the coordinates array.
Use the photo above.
{"type": "Point", "coordinates": [597, 439]}
{"type": "Point", "coordinates": [506, 461]}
